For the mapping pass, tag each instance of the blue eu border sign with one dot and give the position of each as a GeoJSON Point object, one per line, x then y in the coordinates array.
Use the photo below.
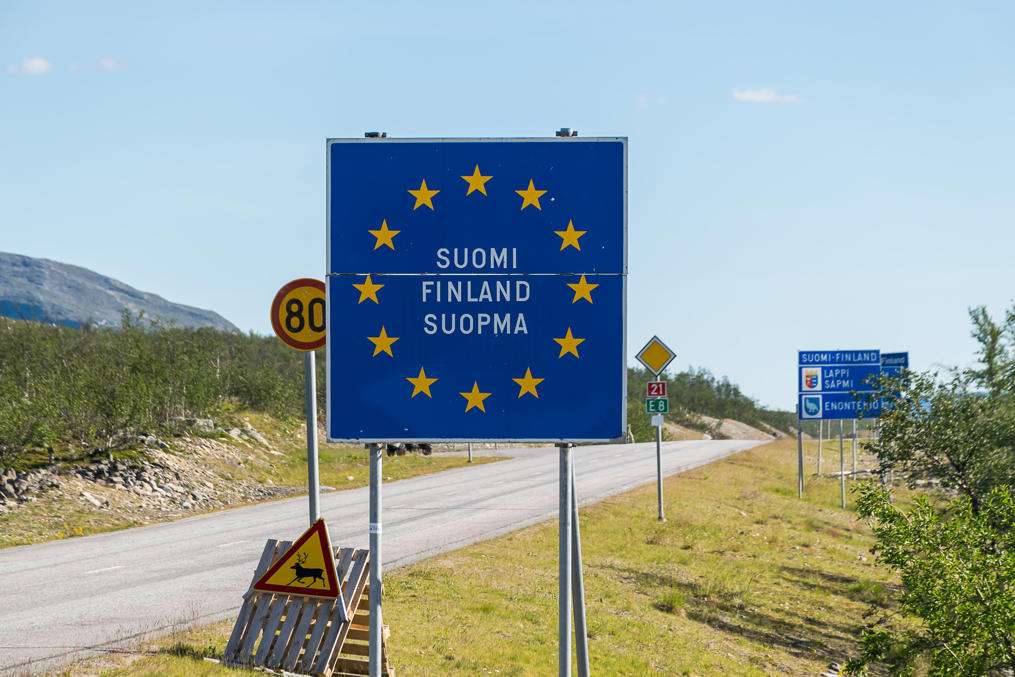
{"type": "Point", "coordinates": [827, 380]}
{"type": "Point", "coordinates": [476, 289]}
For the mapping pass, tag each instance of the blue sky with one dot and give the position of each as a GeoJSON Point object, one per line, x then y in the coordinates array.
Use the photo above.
{"type": "Point", "coordinates": [801, 175]}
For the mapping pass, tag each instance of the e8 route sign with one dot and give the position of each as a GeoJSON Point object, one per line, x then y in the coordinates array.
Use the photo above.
{"type": "Point", "coordinates": [476, 289]}
{"type": "Point", "coordinates": [827, 379]}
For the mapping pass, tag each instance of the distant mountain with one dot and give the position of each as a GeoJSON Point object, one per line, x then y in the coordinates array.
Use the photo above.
{"type": "Point", "coordinates": [48, 291]}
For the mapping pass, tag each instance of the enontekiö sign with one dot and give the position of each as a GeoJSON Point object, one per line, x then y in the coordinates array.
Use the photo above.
{"type": "Point", "coordinates": [476, 289]}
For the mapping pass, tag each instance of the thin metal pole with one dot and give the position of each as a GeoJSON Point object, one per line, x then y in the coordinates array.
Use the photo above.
{"type": "Point", "coordinates": [564, 591]}
{"type": "Point", "coordinates": [310, 380]}
{"type": "Point", "coordinates": [842, 467]}
{"type": "Point", "coordinates": [821, 430]}
{"type": "Point", "coordinates": [376, 619]}
{"type": "Point", "coordinates": [799, 456]}
{"type": "Point", "coordinates": [581, 633]}
{"type": "Point", "coordinates": [853, 475]}
{"type": "Point", "coordinates": [659, 470]}
{"type": "Point", "coordinates": [470, 452]}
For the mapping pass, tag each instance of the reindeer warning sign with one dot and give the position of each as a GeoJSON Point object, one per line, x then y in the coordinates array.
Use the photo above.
{"type": "Point", "coordinates": [307, 568]}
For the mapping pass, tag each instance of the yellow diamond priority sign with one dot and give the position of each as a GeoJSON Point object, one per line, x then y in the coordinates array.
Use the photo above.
{"type": "Point", "coordinates": [655, 355]}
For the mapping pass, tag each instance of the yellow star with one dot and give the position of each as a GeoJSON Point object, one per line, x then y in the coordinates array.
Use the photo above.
{"type": "Point", "coordinates": [477, 182]}
{"type": "Point", "coordinates": [475, 398]}
{"type": "Point", "coordinates": [530, 196]}
{"type": "Point", "coordinates": [382, 343]}
{"type": "Point", "coordinates": [384, 236]}
{"type": "Point", "coordinates": [368, 290]}
{"type": "Point", "coordinates": [569, 237]}
{"type": "Point", "coordinates": [423, 196]}
{"type": "Point", "coordinates": [582, 290]}
{"type": "Point", "coordinates": [568, 344]}
{"type": "Point", "coordinates": [528, 384]}
{"type": "Point", "coordinates": [421, 384]}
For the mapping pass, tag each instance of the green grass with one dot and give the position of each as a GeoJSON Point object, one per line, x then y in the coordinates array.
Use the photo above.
{"type": "Point", "coordinates": [742, 579]}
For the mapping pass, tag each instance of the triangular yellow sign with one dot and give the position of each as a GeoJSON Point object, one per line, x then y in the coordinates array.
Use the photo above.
{"type": "Point", "coordinates": [307, 568]}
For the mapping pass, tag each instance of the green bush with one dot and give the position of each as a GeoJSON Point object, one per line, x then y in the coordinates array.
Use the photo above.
{"type": "Point", "coordinates": [93, 387]}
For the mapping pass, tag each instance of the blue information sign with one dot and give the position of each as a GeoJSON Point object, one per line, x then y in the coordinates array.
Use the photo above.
{"type": "Point", "coordinates": [809, 358]}
{"type": "Point", "coordinates": [837, 379]}
{"type": "Point", "coordinates": [827, 379]}
{"type": "Point", "coordinates": [476, 289]}
{"type": "Point", "coordinates": [835, 406]}
{"type": "Point", "coordinates": [892, 364]}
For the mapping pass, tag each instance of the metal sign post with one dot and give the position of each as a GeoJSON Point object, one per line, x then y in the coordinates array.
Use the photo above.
{"type": "Point", "coordinates": [800, 457]}
{"type": "Point", "coordinates": [298, 319]}
{"type": "Point", "coordinates": [842, 468]}
{"type": "Point", "coordinates": [376, 621]}
{"type": "Point", "coordinates": [853, 475]}
{"type": "Point", "coordinates": [656, 356]}
{"type": "Point", "coordinates": [310, 380]}
{"type": "Point", "coordinates": [564, 563]}
{"type": "Point", "coordinates": [821, 430]}
{"type": "Point", "coordinates": [581, 632]}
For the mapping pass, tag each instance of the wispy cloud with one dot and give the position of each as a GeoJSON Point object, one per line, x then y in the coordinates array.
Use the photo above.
{"type": "Point", "coordinates": [766, 95]}
{"type": "Point", "coordinates": [34, 65]}
{"type": "Point", "coordinates": [646, 100]}
{"type": "Point", "coordinates": [108, 63]}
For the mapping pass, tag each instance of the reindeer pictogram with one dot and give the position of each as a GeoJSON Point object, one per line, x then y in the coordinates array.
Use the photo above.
{"type": "Point", "coordinates": [302, 572]}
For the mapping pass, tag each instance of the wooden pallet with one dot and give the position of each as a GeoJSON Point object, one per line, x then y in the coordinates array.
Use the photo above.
{"type": "Point", "coordinates": [306, 634]}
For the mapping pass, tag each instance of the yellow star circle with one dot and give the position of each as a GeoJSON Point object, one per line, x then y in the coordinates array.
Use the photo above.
{"type": "Point", "coordinates": [475, 398]}
{"type": "Point", "coordinates": [421, 384]}
{"type": "Point", "coordinates": [582, 290]}
{"type": "Point", "coordinates": [368, 290]}
{"type": "Point", "coordinates": [476, 182]}
{"type": "Point", "coordinates": [568, 344]}
{"type": "Point", "coordinates": [423, 195]}
{"type": "Point", "coordinates": [382, 343]}
{"type": "Point", "coordinates": [569, 237]}
{"type": "Point", "coordinates": [384, 236]}
{"type": "Point", "coordinates": [528, 384]}
{"type": "Point", "coordinates": [530, 196]}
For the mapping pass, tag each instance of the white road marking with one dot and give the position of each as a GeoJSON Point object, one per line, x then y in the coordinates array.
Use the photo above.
{"type": "Point", "coordinates": [95, 571]}
{"type": "Point", "coordinates": [226, 545]}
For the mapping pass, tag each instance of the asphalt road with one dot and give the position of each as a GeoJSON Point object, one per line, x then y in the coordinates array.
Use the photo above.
{"type": "Point", "coordinates": [68, 599]}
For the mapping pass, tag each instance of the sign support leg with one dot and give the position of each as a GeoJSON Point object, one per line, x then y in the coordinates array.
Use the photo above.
{"type": "Point", "coordinates": [854, 450]}
{"type": "Point", "coordinates": [821, 429]}
{"type": "Point", "coordinates": [376, 620]}
{"type": "Point", "coordinates": [659, 470]}
{"type": "Point", "coordinates": [310, 380]}
{"type": "Point", "coordinates": [800, 456]}
{"type": "Point", "coordinates": [842, 468]}
{"type": "Point", "coordinates": [581, 634]}
{"type": "Point", "coordinates": [564, 591]}
{"type": "Point", "coordinates": [470, 452]}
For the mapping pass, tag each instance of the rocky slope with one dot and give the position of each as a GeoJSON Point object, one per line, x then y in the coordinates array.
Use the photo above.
{"type": "Point", "coordinates": [48, 291]}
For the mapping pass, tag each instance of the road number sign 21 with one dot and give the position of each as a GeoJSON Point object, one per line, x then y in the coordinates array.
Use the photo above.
{"type": "Point", "coordinates": [655, 389]}
{"type": "Point", "coordinates": [298, 314]}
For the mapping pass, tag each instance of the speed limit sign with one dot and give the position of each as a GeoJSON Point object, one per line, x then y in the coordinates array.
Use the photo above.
{"type": "Point", "coordinates": [298, 314]}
